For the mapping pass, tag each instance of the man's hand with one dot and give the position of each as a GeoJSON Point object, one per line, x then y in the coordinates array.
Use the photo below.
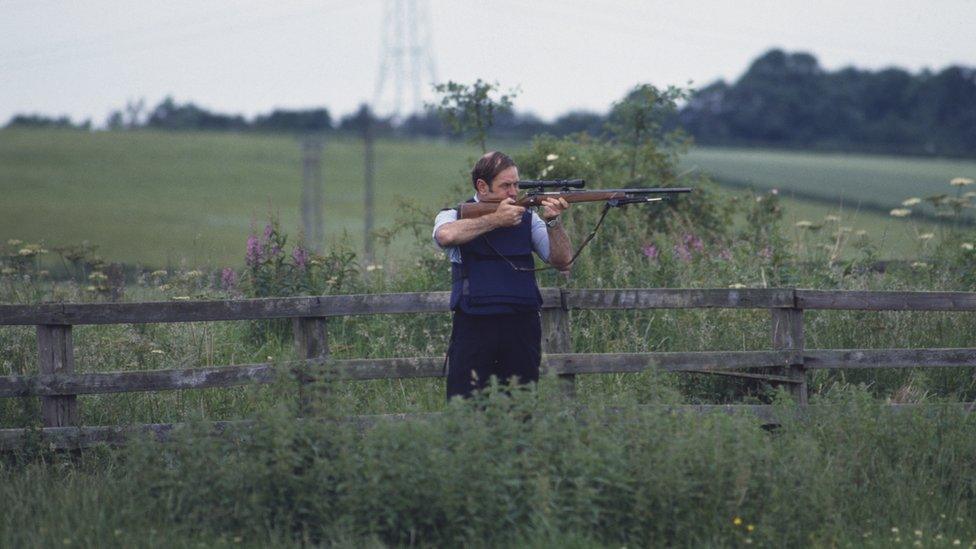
{"type": "Point", "coordinates": [553, 207]}
{"type": "Point", "coordinates": [508, 214]}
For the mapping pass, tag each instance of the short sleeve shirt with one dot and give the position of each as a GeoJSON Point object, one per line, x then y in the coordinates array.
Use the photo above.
{"type": "Point", "coordinates": [540, 236]}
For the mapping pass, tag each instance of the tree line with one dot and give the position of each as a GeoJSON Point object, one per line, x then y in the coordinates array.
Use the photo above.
{"type": "Point", "coordinates": [782, 100]}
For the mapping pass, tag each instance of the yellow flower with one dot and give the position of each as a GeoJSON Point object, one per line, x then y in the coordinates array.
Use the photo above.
{"type": "Point", "coordinates": [750, 527]}
{"type": "Point", "coordinates": [961, 181]}
{"type": "Point", "coordinates": [912, 202]}
{"type": "Point", "coordinates": [804, 224]}
{"type": "Point", "coordinates": [737, 521]}
{"type": "Point", "coordinates": [551, 156]}
{"type": "Point", "coordinates": [926, 236]}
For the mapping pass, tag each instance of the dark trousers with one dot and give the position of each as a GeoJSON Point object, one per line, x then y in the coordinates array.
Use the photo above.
{"type": "Point", "coordinates": [505, 346]}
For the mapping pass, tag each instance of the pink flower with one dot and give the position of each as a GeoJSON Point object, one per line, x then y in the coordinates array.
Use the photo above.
{"type": "Point", "coordinates": [682, 251]}
{"type": "Point", "coordinates": [228, 279]}
{"type": "Point", "coordinates": [693, 242]}
{"type": "Point", "coordinates": [725, 254]}
{"type": "Point", "coordinates": [651, 252]}
{"type": "Point", "coordinates": [253, 256]}
{"type": "Point", "coordinates": [268, 231]}
{"type": "Point", "coordinates": [300, 256]}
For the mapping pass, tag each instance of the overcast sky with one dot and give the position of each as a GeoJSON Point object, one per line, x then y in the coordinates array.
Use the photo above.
{"type": "Point", "coordinates": [84, 58]}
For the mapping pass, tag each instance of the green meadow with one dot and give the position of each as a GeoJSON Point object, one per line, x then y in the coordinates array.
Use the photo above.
{"type": "Point", "coordinates": [169, 199]}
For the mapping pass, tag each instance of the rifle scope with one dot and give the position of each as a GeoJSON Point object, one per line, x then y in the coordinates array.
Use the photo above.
{"type": "Point", "coordinates": [541, 184]}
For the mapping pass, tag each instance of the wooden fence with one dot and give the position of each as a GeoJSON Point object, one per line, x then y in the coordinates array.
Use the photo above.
{"type": "Point", "coordinates": [58, 384]}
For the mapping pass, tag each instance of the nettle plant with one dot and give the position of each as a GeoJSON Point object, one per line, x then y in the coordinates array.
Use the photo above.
{"type": "Point", "coordinates": [271, 269]}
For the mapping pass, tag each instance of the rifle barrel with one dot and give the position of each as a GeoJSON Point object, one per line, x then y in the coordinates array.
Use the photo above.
{"type": "Point", "coordinates": [478, 209]}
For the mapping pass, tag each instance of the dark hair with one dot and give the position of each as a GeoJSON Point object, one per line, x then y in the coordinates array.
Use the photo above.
{"type": "Point", "coordinates": [489, 166]}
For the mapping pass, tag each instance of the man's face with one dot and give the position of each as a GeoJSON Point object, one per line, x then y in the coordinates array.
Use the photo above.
{"type": "Point", "coordinates": [505, 185]}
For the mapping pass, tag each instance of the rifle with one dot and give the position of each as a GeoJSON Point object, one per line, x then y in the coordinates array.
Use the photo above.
{"type": "Point", "coordinates": [569, 190]}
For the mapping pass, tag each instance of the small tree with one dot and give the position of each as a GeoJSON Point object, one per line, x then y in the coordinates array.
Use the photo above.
{"type": "Point", "coordinates": [471, 109]}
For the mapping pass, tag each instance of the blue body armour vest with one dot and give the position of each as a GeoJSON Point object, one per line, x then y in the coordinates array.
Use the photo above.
{"type": "Point", "coordinates": [485, 284]}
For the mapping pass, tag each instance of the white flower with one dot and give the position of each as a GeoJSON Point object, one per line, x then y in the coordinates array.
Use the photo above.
{"type": "Point", "coordinates": [804, 224]}
{"type": "Point", "coordinates": [157, 351]}
{"type": "Point", "coordinates": [900, 212]}
{"type": "Point", "coordinates": [181, 298]}
{"type": "Point", "coordinates": [737, 286]}
{"type": "Point", "coordinates": [913, 201]}
{"type": "Point", "coordinates": [968, 246]}
{"type": "Point", "coordinates": [830, 218]}
{"type": "Point", "coordinates": [926, 236]}
{"type": "Point", "coordinates": [552, 156]}
{"type": "Point", "coordinates": [370, 268]}
{"type": "Point", "coordinates": [961, 181]}
{"type": "Point", "coordinates": [920, 265]}
{"type": "Point", "coordinates": [15, 242]}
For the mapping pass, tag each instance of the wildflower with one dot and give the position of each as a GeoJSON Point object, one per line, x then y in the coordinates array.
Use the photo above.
{"type": "Point", "coordinates": [651, 252]}
{"type": "Point", "coordinates": [332, 281]}
{"type": "Point", "coordinates": [968, 246]}
{"type": "Point", "coordinates": [926, 236]}
{"type": "Point", "coordinates": [969, 194]}
{"type": "Point", "coordinates": [920, 265]}
{"type": "Point", "coordinates": [371, 267]}
{"type": "Point", "coordinates": [91, 289]}
{"type": "Point", "coordinates": [894, 529]}
{"type": "Point", "coordinates": [861, 232]}
{"type": "Point", "coordinates": [15, 242]}
{"type": "Point", "coordinates": [956, 542]}
{"type": "Point", "coordinates": [693, 242]}
{"type": "Point", "coordinates": [961, 181]}
{"type": "Point", "coordinates": [157, 351]}
{"type": "Point", "coordinates": [43, 273]}
{"type": "Point", "coordinates": [7, 271]}
{"type": "Point", "coordinates": [804, 224]}
{"type": "Point", "coordinates": [737, 521]}
{"type": "Point", "coordinates": [748, 541]}
{"type": "Point", "coordinates": [268, 231]}
{"type": "Point", "coordinates": [300, 256]}
{"type": "Point", "coordinates": [275, 250]}
{"type": "Point", "coordinates": [253, 256]}
{"type": "Point", "coordinates": [737, 286]}
{"type": "Point", "coordinates": [750, 527]}
{"type": "Point", "coordinates": [181, 298]}
{"type": "Point", "coordinates": [97, 276]}
{"type": "Point", "coordinates": [900, 212]}
{"type": "Point", "coordinates": [682, 252]}
{"type": "Point", "coordinates": [913, 201]}
{"type": "Point", "coordinates": [830, 218]}
{"type": "Point", "coordinates": [766, 252]}
{"type": "Point", "coordinates": [194, 274]}
{"type": "Point", "coordinates": [228, 278]}
{"type": "Point", "coordinates": [26, 252]}
{"type": "Point", "coordinates": [774, 191]}
{"type": "Point", "coordinates": [552, 156]}
{"type": "Point", "coordinates": [725, 254]}
{"type": "Point", "coordinates": [164, 287]}
{"type": "Point", "coordinates": [158, 273]}
{"type": "Point", "coordinates": [918, 533]}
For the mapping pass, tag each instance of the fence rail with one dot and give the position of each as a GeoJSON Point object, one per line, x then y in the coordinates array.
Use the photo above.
{"type": "Point", "coordinates": [58, 385]}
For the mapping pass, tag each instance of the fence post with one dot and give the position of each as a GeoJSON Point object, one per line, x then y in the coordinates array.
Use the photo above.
{"type": "Point", "coordinates": [311, 342]}
{"type": "Point", "coordinates": [556, 339]}
{"type": "Point", "coordinates": [56, 356]}
{"type": "Point", "coordinates": [788, 335]}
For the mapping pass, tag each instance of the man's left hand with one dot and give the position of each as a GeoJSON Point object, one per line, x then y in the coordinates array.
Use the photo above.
{"type": "Point", "coordinates": [553, 207]}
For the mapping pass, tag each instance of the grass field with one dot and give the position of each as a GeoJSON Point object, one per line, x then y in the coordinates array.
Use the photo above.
{"type": "Point", "coordinates": [165, 199]}
{"type": "Point", "coordinates": [852, 181]}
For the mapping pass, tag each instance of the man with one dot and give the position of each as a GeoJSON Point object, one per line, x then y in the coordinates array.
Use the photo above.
{"type": "Point", "coordinates": [497, 329]}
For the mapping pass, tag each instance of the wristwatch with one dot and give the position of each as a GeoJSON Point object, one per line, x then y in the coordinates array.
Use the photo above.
{"type": "Point", "coordinates": [554, 222]}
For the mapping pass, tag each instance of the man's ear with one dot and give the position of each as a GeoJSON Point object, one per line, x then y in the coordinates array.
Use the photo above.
{"type": "Point", "coordinates": [482, 186]}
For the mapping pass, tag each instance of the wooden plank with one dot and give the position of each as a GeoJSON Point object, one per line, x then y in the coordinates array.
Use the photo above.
{"type": "Point", "coordinates": [886, 301]}
{"type": "Point", "coordinates": [888, 358]}
{"type": "Point", "coordinates": [311, 343]}
{"type": "Point", "coordinates": [556, 339]}
{"type": "Point", "coordinates": [56, 356]}
{"type": "Point", "coordinates": [371, 368]}
{"type": "Point", "coordinates": [236, 309]}
{"type": "Point", "coordinates": [637, 298]}
{"type": "Point", "coordinates": [787, 334]}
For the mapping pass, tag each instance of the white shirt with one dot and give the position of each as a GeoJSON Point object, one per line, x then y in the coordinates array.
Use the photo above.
{"type": "Point", "coordinates": [540, 236]}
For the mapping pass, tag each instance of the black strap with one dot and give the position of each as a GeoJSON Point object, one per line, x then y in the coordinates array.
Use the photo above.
{"type": "Point", "coordinates": [603, 214]}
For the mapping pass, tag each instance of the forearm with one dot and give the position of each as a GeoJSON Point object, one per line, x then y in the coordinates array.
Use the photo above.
{"type": "Point", "coordinates": [560, 250]}
{"type": "Point", "coordinates": [463, 231]}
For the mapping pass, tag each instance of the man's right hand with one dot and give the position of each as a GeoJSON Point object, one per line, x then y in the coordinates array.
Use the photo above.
{"type": "Point", "coordinates": [508, 214]}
